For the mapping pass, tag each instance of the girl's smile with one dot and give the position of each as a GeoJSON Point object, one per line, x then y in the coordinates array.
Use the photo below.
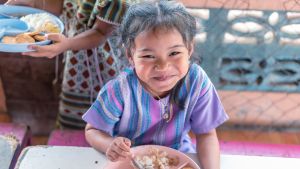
{"type": "Point", "coordinates": [163, 77]}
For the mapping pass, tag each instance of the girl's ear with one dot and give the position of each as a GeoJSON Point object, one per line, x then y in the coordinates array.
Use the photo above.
{"type": "Point", "coordinates": [129, 57]}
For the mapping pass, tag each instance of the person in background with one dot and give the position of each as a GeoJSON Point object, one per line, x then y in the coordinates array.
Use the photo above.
{"type": "Point", "coordinates": [93, 54]}
{"type": "Point", "coordinates": [162, 96]}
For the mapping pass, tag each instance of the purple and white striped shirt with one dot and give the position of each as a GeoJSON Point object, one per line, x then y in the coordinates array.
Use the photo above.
{"type": "Point", "coordinates": [124, 108]}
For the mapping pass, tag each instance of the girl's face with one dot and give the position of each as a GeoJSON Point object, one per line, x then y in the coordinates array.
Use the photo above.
{"type": "Point", "coordinates": [160, 59]}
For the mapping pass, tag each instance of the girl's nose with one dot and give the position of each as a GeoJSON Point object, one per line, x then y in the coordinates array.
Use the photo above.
{"type": "Point", "coordinates": [161, 65]}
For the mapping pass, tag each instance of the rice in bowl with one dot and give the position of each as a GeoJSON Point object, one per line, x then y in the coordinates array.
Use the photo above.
{"type": "Point", "coordinates": [41, 22]}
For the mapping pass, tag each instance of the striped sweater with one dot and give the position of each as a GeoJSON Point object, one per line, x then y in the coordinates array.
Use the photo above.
{"type": "Point", "coordinates": [124, 108]}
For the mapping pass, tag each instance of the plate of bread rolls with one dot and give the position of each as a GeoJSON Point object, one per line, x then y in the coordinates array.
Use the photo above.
{"type": "Point", "coordinates": [39, 24]}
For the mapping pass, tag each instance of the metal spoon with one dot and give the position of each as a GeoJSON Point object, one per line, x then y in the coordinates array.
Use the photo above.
{"type": "Point", "coordinates": [136, 164]}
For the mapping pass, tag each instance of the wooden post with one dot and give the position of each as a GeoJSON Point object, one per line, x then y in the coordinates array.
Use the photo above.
{"type": "Point", "coordinates": [4, 117]}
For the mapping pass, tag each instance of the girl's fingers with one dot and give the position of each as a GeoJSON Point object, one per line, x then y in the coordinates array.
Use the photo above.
{"type": "Point", "coordinates": [127, 142]}
{"type": "Point", "coordinates": [124, 146]}
{"type": "Point", "coordinates": [121, 152]}
{"type": "Point", "coordinates": [113, 156]}
{"type": "Point", "coordinates": [119, 149]}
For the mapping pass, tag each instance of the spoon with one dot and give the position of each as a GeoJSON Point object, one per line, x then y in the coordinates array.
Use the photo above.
{"type": "Point", "coordinates": [136, 164]}
{"type": "Point", "coordinates": [11, 27]}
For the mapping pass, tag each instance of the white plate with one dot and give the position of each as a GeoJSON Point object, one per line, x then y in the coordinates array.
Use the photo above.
{"type": "Point", "coordinates": [22, 11]}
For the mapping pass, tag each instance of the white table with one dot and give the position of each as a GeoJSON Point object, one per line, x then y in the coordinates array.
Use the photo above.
{"type": "Point", "coordinates": [7, 150]}
{"type": "Point", "coordinates": [62, 157]}
{"type": "Point", "coordinates": [13, 138]}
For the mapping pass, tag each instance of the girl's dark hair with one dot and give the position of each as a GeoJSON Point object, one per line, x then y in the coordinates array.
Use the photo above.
{"type": "Point", "coordinates": [151, 16]}
{"type": "Point", "coordinates": [154, 15]}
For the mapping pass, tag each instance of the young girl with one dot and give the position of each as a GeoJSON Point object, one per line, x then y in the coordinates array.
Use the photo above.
{"type": "Point", "coordinates": [162, 96]}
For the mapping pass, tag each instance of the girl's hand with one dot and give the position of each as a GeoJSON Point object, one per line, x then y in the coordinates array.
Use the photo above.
{"type": "Point", "coordinates": [59, 45]}
{"type": "Point", "coordinates": [20, 2]}
{"type": "Point", "coordinates": [119, 149]}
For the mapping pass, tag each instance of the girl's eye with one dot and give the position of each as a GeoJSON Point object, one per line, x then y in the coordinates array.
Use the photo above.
{"type": "Point", "coordinates": [174, 53]}
{"type": "Point", "coordinates": [147, 56]}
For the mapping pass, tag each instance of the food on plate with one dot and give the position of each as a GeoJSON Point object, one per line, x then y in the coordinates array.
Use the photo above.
{"type": "Point", "coordinates": [29, 37]}
{"type": "Point", "coordinates": [24, 38]}
{"type": "Point", "coordinates": [39, 37]}
{"type": "Point", "coordinates": [50, 27]}
{"type": "Point", "coordinates": [157, 159]}
{"type": "Point", "coordinates": [33, 33]}
{"type": "Point", "coordinates": [9, 40]}
{"type": "Point", "coordinates": [41, 22]}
